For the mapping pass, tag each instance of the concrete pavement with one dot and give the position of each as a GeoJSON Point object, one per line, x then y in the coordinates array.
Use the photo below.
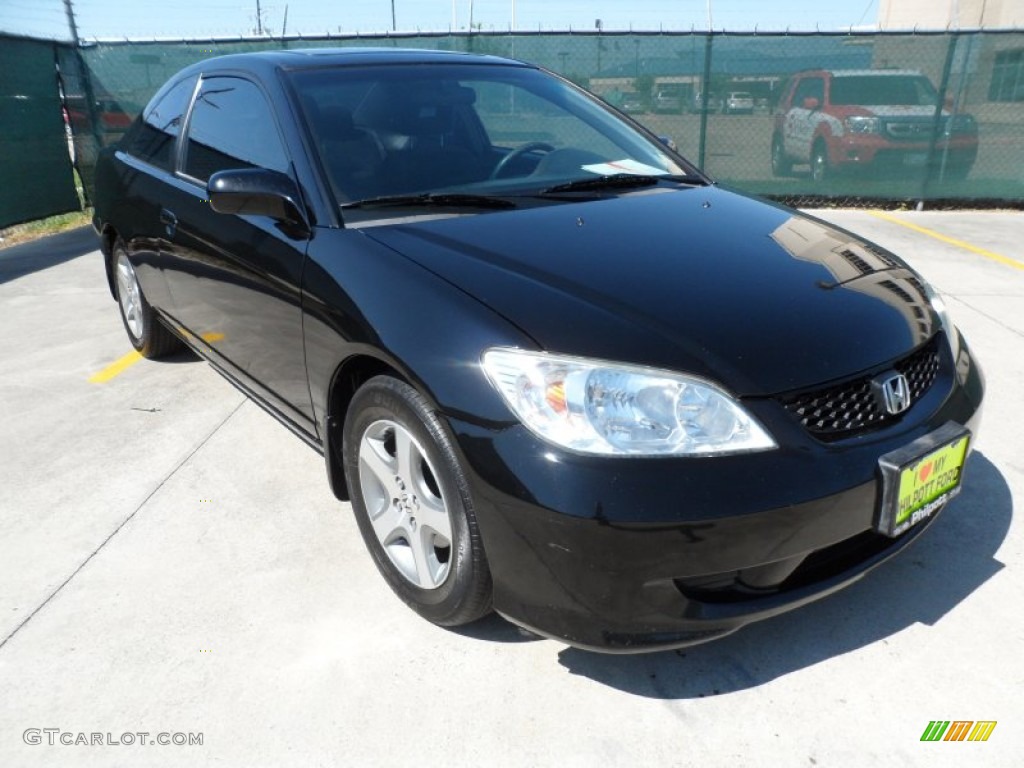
{"type": "Point", "coordinates": [172, 562]}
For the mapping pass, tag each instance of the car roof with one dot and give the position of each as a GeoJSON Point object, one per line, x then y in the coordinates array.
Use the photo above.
{"type": "Point", "coordinates": [302, 58]}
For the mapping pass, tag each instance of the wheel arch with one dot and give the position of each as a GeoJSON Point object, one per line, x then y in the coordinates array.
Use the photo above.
{"type": "Point", "coordinates": [108, 236]}
{"type": "Point", "coordinates": [824, 136]}
{"type": "Point", "coordinates": [349, 376]}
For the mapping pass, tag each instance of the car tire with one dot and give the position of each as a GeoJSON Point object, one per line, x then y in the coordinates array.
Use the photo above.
{"type": "Point", "coordinates": [781, 165]}
{"type": "Point", "coordinates": [412, 503]}
{"type": "Point", "coordinates": [145, 329]}
{"type": "Point", "coordinates": [820, 169]}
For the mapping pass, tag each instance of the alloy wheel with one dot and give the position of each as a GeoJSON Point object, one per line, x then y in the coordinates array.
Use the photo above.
{"type": "Point", "coordinates": [129, 295]}
{"type": "Point", "coordinates": [405, 504]}
{"type": "Point", "coordinates": [819, 165]}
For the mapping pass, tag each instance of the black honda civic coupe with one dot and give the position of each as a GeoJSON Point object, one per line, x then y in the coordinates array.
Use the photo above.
{"type": "Point", "coordinates": [558, 371]}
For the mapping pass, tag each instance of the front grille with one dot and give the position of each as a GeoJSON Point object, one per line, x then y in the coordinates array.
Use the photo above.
{"type": "Point", "coordinates": [850, 408]}
{"type": "Point", "coordinates": [909, 130]}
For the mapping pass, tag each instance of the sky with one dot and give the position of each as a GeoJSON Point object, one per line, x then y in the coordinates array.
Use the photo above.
{"type": "Point", "coordinates": [229, 18]}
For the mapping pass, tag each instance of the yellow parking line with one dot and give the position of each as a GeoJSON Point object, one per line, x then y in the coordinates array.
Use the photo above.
{"type": "Point", "coordinates": [115, 368]}
{"type": "Point", "coordinates": [124, 363]}
{"type": "Point", "coordinates": [951, 240]}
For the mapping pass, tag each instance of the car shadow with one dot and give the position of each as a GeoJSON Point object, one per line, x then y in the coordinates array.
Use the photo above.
{"type": "Point", "coordinates": [922, 585]}
{"type": "Point", "coordinates": [494, 629]}
{"type": "Point", "coordinates": [25, 258]}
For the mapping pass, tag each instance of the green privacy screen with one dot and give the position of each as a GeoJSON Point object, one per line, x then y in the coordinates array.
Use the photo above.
{"type": "Point", "coordinates": [806, 118]}
{"type": "Point", "coordinates": [35, 167]}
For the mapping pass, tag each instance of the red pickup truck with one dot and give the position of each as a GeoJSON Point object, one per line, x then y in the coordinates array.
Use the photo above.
{"type": "Point", "coordinates": [883, 119]}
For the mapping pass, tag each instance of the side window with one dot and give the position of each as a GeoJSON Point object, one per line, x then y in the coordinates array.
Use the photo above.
{"type": "Point", "coordinates": [152, 137]}
{"type": "Point", "coordinates": [232, 126]}
{"type": "Point", "coordinates": [809, 88]}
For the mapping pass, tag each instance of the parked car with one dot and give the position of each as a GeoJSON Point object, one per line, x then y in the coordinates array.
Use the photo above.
{"type": "Point", "coordinates": [557, 371]}
{"type": "Point", "coordinates": [668, 100]}
{"type": "Point", "coordinates": [880, 119]}
{"type": "Point", "coordinates": [632, 103]}
{"type": "Point", "coordinates": [738, 103]}
{"type": "Point", "coordinates": [698, 105]}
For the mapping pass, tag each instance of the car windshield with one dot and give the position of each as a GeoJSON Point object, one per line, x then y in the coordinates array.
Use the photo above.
{"type": "Point", "coordinates": [897, 90]}
{"type": "Point", "coordinates": [416, 130]}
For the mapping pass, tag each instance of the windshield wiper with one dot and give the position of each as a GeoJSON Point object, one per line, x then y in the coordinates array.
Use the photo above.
{"type": "Point", "coordinates": [617, 181]}
{"type": "Point", "coordinates": [440, 199]}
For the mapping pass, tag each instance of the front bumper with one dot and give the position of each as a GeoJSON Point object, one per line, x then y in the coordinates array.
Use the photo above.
{"type": "Point", "coordinates": [628, 555]}
{"type": "Point", "coordinates": [853, 150]}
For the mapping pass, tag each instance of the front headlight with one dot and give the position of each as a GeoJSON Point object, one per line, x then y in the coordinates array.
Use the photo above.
{"type": "Point", "coordinates": [595, 407]}
{"type": "Point", "coordinates": [858, 124]}
{"type": "Point", "coordinates": [960, 124]}
{"type": "Point", "coordinates": [939, 306]}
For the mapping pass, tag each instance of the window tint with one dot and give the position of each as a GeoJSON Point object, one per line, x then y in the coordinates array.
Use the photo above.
{"type": "Point", "coordinates": [232, 127]}
{"type": "Point", "coordinates": [152, 138]}
{"type": "Point", "coordinates": [883, 89]}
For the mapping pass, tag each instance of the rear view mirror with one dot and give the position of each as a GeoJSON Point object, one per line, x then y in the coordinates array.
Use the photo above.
{"type": "Point", "coordinates": [257, 192]}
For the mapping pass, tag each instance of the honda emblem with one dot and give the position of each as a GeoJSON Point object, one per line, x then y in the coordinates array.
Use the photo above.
{"type": "Point", "coordinates": [893, 390]}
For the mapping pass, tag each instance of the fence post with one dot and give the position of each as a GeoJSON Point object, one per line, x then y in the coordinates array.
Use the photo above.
{"type": "Point", "coordinates": [704, 96]}
{"type": "Point", "coordinates": [940, 104]}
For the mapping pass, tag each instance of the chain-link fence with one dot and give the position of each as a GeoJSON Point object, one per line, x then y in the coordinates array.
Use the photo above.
{"type": "Point", "coordinates": [800, 117]}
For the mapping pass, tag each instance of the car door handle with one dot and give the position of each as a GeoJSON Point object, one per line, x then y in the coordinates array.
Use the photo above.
{"type": "Point", "coordinates": [169, 220]}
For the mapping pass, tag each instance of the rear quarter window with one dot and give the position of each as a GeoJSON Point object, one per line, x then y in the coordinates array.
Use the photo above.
{"type": "Point", "coordinates": [155, 132]}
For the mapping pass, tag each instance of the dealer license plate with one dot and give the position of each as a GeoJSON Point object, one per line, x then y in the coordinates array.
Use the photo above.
{"type": "Point", "coordinates": [920, 478]}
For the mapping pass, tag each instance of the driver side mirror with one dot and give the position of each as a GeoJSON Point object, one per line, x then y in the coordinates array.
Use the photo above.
{"type": "Point", "coordinates": [258, 192]}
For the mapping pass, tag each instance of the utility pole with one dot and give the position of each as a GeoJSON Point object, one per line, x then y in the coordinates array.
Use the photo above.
{"type": "Point", "coordinates": [259, 19]}
{"type": "Point", "coordinates": [393, 27]}
{"type": "Point", "coordinates": [90, 101]}
{"type": "Point", "coordinates": [71, 22]}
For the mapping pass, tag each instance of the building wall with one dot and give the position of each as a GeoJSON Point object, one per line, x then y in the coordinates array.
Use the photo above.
{"type": "Point", "coordinates": [899, 15]}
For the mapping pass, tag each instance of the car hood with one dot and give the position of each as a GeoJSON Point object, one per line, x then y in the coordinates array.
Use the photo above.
{"type": "Point", "coordinates": [757, 297]}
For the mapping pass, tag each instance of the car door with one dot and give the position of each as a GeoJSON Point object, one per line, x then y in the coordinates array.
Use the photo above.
{"type": "Point", "coordinates": [802, 119]}
{"type": "Point", "coordinates": [236, 279]}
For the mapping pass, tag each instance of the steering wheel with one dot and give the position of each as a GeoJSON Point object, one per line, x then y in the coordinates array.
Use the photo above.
{"type": "Point", "coordinates": [533, 146]}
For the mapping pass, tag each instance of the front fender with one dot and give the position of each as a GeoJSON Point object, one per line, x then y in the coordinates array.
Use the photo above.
{"type": "Point", "coordinates": [361, 298]}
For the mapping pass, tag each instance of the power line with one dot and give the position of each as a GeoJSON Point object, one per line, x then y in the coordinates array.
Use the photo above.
{"type": "Point", "coordinates": [866, 9]}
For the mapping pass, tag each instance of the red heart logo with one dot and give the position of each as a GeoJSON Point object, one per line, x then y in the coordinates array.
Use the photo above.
{"type": "Point", "coordinates": [925, 471]}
